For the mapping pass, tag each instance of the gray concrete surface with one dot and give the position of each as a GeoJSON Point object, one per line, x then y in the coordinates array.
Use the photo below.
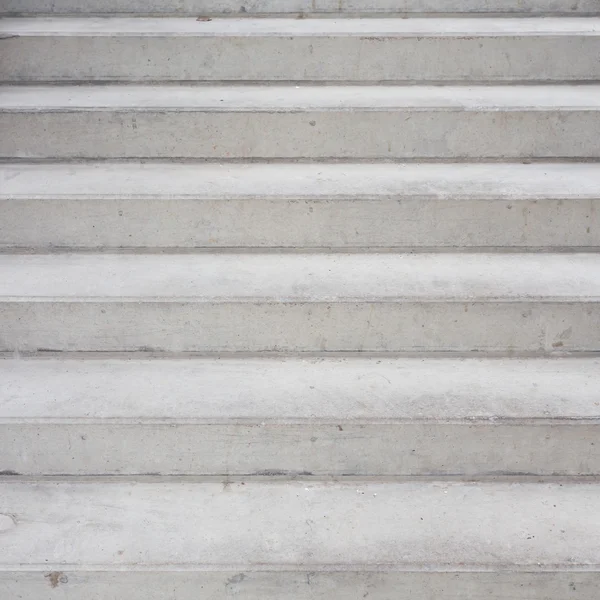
{"type": "Point", "coordinates": [301, 585]}
{"type": "Point", "coordinates": [263, 98]}
{"type": "Point", "coordinates": [289, 389]}
{"type": "Point", "coordinates": [257, 441]}
{"type": "Point", "coordinates": [167, 205]}
{"type": "Point", "coordinates": [300, 525]}
{"type": "Point", "coordinates": [349, 28]}
{"type": "Point", "coordinates": [295, 302]}
{"type": "Point", "coordinates": [362, 50]}
{"type": "Point", "coordinates": [308, 7]}
{"type": "Point", "coordinates": [300, 122]}
{"type": "Point", "coordinates": [313, 278]}
{"type": "Point", "coordinates": [536, 326]}
{"type": "Point", "coordinates": [323, 416]}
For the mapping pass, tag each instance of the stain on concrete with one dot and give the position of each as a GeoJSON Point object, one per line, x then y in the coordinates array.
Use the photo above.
{"type": "Point", "coordinates": [236, 579]}
{"type": "Point", "coordinates": [55, 578]}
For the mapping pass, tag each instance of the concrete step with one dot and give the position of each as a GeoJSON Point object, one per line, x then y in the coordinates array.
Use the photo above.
{"type": "Point", "coordinates": [289, 122]}
{"type": "Point", "coordinates": [299, 7]}
{"type": "Point", "coordinates": [312, 416]}
{"type": "Point", "coordinates": [299, 540]}
{"type": "Point", "coordinates": [346, 50]}
{"type": "Point", "coordinates": [300, 302]}
{"type": "Point", "coordinates": [169, 205]}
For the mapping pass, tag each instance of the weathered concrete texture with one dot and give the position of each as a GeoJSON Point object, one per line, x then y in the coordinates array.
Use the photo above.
{"type": "Point", "coordinates": [300, 585]}
{"type": "Point", "coordinates": [301, 526]}
{"type": "Point", "coordinates": [248, 302]}
{"type": "Point", "coordinates": [313, 585]}
{"type": "Point", "coordinates": [348, 28]}
{"type": "Point", "coordinates": [308, 7]}
{"type": "Point", "coordinates": [178, 326]}
{"type": "Point", "coordinates": [100, 447]}
{"type": "Point", "coordinates": [312, 278]}
{"type": "Point", "coordinates": [300, 98]}
{"type": "Point", "coordinates": [255, 442]}
{"type": "Point", "coordinates": [380, 122]}
{"type": "Point", "coordinates": [112, 205]}
{"type": "Point", "coordinates": [305, 586]}
{"type": "Point", "coordinates": [321, 416]}
{"type": "Point", "coordinates": [362, 50]}
{"type": "Point", "coordinates": [293, 390]}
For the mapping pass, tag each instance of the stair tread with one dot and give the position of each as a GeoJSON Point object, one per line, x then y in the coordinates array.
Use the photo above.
{"type": "Point", "coordinates": [190, 26]}
{"type": "Point", "coordinates": [279, 278]}
{"type": "Point", "coordinates": [299, 525]}
{"type": "Point", "coordinates": [298, 390]}
{"type": "Point", "coordinates": [284, 98]}
{"type": "Point", "coordinates": [308, 7]}
{"type": "Point", "coordinates": [541, 181]}
{"type": "Point", "coordinates": [295, 205]}
{"type": "Point", "coordinates": [391, 51]}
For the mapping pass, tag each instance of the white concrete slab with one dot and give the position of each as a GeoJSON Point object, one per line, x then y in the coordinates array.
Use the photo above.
{"type": "Point", "coordinates": [295, 302]}
{"type": "Point", "coordinates": [312, 278]}
{"type": "Point", "coordinates": [300, 98]}
{"type": "Point", "coordinates": [167, 205]}
{"type": "Point", "coordinates": [297, 390]}
{"type": "Point", "coordinates": [240, 27]}
{"type": "Point", "coordinates": [356, 50]}
{"type": "Point", "coordinates": [323, 416]}
{"type": "Point", "coordinates": [289, 122]}
{"type": "Point", "coordinates": [323, 181]}
{"type": "Point", "coordinates": [301, 526]}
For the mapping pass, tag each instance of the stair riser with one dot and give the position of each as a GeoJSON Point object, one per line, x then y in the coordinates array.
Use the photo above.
{"type": "Point", "coordinates": [313, 448]}
{"type": "Point", "coordinates": [302, 585]}
{"type": "Point", "coordinates": [526, 326]}
{"type": "Point", "coordinates": [494, 58]}
{"type": "Point", "coordinates": [301, 223]}
{"type": "Point", "coordinates": [257, 7]}
{"type": "Point", "coordinates": [353, 134]}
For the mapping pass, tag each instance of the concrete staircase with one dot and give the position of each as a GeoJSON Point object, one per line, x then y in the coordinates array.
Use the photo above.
{"type": "Point", "coordinates": [300, 308]}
